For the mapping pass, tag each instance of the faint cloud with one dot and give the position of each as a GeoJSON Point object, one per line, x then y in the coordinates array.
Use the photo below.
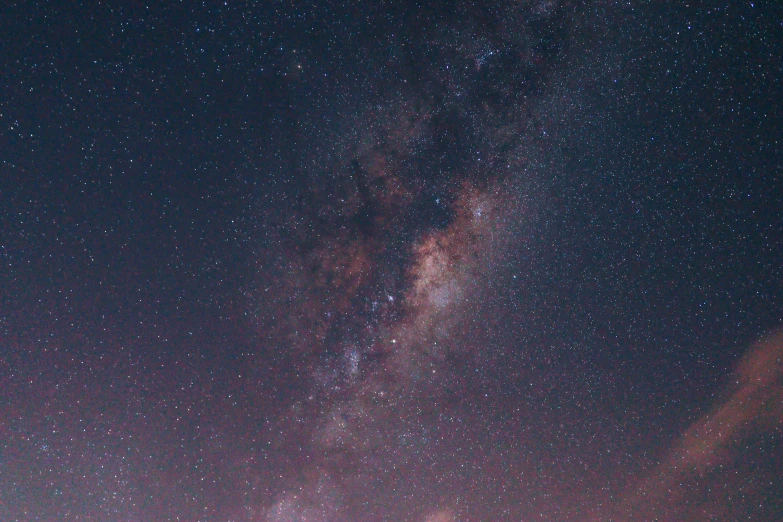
{"type": "Point", "coordinates": [444, 515]}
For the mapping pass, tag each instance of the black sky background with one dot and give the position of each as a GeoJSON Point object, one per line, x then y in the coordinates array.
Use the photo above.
{"type": "Point", "coordinates": [163, 165]}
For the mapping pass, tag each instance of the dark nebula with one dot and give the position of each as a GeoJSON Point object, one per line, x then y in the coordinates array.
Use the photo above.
{"type": "Point", "coordinates": [391, 261]}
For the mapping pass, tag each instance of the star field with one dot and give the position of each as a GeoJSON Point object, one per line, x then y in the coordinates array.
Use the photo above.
{"type": "Point", "coordinates": [391, 261]}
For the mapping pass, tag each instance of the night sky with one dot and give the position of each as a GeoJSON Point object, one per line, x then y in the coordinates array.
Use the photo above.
{"type": "Point", "coordinates": [284, 261]}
